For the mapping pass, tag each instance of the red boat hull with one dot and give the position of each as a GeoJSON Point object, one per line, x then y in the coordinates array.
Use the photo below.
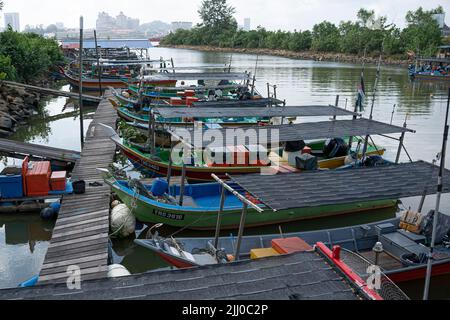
{"type": "Point", "coordinates": [173, 261]}
{"type": "Point", "coordinates": [419, 273]}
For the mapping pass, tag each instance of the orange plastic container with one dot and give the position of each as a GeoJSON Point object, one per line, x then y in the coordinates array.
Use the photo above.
{"type": "Point", "coordinates": [191, 100]}
{"type": "Point", "coordinates": [38, 178]}
{"type": "Point", "coordinates": [290, 245]}
{"type": "Point", "coordinates": [189, 93]}
{"type": "Point", "coordinates": [240, 156]}
{"type": "Point", "coordinates": [58, 181]}
{"type": "Point", "coordinates": [176, 101]}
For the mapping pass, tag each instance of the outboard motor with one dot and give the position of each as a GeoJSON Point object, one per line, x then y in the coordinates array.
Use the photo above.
{"type": "Point", "coordinates": [335, 148]}
{"type": "Point", "coordinates": [374, 161]}
{"type": "Point", "coordinates": [295, 146]}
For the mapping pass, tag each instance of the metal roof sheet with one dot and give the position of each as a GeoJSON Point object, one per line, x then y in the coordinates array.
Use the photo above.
{"type": "Point", "coordinates": [303, 275]}
{"type": "Point", "coordinates": [224, 111]}
{"type": "Point", "coordinates": [319, 188]}
{"type": "Point", "coordinates": [199, 76]}
{"type": "Point", "coordinates": [299, 131]}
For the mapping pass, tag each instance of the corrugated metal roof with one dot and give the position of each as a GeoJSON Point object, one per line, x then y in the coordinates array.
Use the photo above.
{"type": "Point", "coordinates": [300, 131]}
{"type": "Point", "coordinates": [199, 76]}
{"type": "Point", "coordinates": [319, 188]}
{"type": "Point", "coordinates": [303, 275]}
{"type": "Point", "coordinates": [224, 111]}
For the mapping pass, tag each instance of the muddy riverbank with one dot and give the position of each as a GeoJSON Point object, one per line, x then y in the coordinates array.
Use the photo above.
{"type": "Point", "coordinates": [304, 55]}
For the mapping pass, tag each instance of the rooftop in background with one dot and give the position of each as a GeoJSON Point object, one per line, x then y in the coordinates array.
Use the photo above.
{"type": "Point", "coordinates": [109, 43]}
{"type": "Point", "coordinates": [299, 276]}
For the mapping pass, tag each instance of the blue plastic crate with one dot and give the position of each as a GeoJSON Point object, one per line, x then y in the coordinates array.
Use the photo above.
{"type": "Point", "coordinates": [11, 186]}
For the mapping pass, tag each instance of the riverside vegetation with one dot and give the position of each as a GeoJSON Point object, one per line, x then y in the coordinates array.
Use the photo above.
{"type": "Point", "coordinates": [326, 41]}
{"type": "Point", "coordinates": [27, 58]}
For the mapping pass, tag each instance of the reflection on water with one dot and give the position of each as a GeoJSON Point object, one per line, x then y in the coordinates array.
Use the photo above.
{"type": "Point", "coordinates": [23, 243]}
{"type": "Point", "coordinates": [300, 82]}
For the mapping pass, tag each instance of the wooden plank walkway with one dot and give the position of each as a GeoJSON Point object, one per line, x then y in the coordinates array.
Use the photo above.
{"type": "Point", "coordinates": [53, 92]}
{"type": "Point", "coordinates": [80, 237]}
{"type": "Point", "coordinates": [21, 149]}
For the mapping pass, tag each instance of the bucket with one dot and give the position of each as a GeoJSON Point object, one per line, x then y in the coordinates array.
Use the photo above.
{"type": "Point", "coordinates": [159, 187]}
{"type": "Point", "coordinates": [79, 187]}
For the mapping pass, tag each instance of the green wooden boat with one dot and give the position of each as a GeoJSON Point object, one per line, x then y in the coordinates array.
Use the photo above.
{"type": "Point", "coordinates": [201, 204]}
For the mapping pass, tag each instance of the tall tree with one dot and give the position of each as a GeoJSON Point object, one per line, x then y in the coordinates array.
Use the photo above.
{"type": "Point", "coordinates": [217, 14]}
{"type": "Point", "coordinates": [422, 33]}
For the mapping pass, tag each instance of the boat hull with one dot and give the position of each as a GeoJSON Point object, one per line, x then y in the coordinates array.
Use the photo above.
{"type": "Point", "coordinates": [429, 77]}
{"type": "Point", "coordinates": [153, 212]}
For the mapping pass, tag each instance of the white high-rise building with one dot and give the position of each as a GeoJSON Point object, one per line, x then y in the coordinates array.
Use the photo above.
{"type": "Point", "coordinates": [12, 19]}
{"type": "Point", "coordinates": [247, 24]}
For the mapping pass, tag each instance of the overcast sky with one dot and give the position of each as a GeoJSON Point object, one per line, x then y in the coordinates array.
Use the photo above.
{"type": "Point", "coordinates": [280, 14]}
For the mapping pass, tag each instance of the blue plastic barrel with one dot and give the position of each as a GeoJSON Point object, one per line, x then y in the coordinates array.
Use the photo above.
{"type": "Point", "coordinates": [159, 187]}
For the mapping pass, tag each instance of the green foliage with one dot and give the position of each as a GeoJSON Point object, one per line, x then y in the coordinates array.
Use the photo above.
{"type": "Point", "coordinates": [368, 33]}
{"type": "Point", "coordinates": [422, 35]}
{"type": "Point", "coordinates": [29, 54]}
{"type": "Point", "coordinates": [325, 37]}
{"type": "Point", "coordinates": [7, 71]}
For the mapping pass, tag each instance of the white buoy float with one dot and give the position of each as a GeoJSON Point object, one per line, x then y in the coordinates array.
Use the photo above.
{"type": "Point", "coordinates": [117, 271]}
{"type": "Point", "coordinates": [123, 222]}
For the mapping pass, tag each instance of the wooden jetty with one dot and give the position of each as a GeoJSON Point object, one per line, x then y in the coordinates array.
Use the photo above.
{"type": "Point", "coordinates": [17, 149]}
{"type": "Point", "coordinates": [80, 237]}
{"type": "Point", "coordinates": [53, 92]}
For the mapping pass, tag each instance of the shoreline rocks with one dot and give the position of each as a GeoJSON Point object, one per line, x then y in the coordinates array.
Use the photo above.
{"type": "Point", "coordinates": [306, 55]}
{"type": "Point", "coordinates": [16, 106]}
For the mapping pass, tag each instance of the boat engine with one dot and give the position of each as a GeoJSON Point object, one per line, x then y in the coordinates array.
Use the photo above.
{"type": "Point", "coordinates": [335, 147]}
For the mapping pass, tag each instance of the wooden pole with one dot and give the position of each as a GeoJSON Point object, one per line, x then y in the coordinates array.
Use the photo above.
{"type": "Point", "coordinates": [219, 218]}
{"type": "Point", "coordinates": [336, 105]}
{"type": "Point", "coordinates": [80, 84]}
{"type": "Point", "coordinates": [438, 202]}
{"type": "Point", "coordinates": [241, 231]}
{"type": "Point", "coordinates": [182, 187]}
{"type": "Point", "coordinates": [98, 64]}
{"type": "Point", "coordinates": [400, 145]}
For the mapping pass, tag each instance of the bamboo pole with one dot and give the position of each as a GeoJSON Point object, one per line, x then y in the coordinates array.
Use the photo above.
{"type": "Point", "coordinates": [438, 202]}
{"type": "Point", "coordinates": [80, 84]}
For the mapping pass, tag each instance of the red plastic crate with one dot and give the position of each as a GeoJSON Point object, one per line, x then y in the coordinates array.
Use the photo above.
{"type": "Point", "coordinates": [38, 178]}
{"type": "Point", "coordinates": [176, 102]}
{"type": "Point", "coordinates": [58, 181]}
{"type": "Point", "coordinates": [290, 245]}
{"type": "Point", "coordinates": [189, 93]}
{"type": "Point", "coordinates": [191, 100]}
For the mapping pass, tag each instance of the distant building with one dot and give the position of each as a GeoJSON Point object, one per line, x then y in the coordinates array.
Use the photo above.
{"type": "Point", "coordinates": [12, 19]}
{"type": "Point", "coordinates": [247, 24]}
{"type": "Point", "coordinates": [120, 23]}
{"type": "Point", "coordinates": [176, 25]}
{"type": "Point", "coordinates": [440, 19]}
{"type": "Point", "coordinates": [59, 25]}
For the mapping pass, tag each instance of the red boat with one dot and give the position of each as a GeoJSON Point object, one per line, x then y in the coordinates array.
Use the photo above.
{"type": "Point", "coordinates": [400, 254]}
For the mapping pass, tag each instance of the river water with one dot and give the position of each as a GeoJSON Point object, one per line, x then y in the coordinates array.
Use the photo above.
{"type": "Point", "coordinates": [24, 238]}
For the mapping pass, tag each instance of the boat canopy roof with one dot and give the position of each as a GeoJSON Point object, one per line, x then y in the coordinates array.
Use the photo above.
{"type": "Point", "coordinates": [330, 187]}
{"type": "Point", "coordinates": [225, 111]}
{"type": "Point", "coordinates": [199, 76]}
{"type": "Point", "coordinates": [431, 59]}
{"type": "Point", "coordinates": [200, 88]}
{"type": "Point", "coordinates": [296, 132]}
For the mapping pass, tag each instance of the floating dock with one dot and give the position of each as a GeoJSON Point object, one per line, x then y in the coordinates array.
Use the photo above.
{"type": "Point", "coordinates": [80, 237]}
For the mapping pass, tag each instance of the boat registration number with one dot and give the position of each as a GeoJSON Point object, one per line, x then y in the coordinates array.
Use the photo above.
{"type": "Point", "coordinates": [168, 215]}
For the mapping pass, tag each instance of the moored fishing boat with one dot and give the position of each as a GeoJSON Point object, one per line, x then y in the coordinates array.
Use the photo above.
{"type": "Point", "coordinates": [430, 69]}
{"type": "Point", "coordinates": [197, 207]}
{"type": "Point", "coordinates": [401, 256]}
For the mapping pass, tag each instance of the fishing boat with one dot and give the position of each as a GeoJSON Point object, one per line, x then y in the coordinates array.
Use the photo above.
{"type": "Point", "coordinates": [90, 83]}
{"type": "Point", "coordinates": [401, 254]}
{"type": "Point", "coordinates": [430, 69]}
{"type": "Point", "coordinates": [195, 206]}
